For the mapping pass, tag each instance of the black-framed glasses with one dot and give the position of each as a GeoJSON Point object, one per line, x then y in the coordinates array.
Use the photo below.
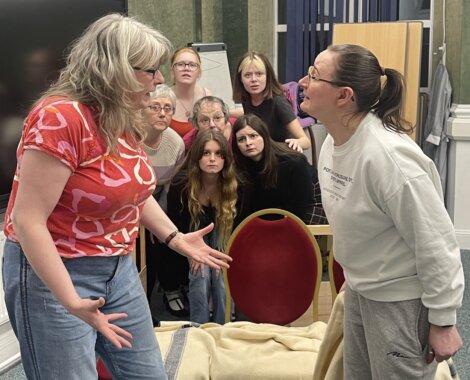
{"type": "Point", "coordinates": [158, 108]}
{"type": "Point", "coordinates": [312, 75]}
{"type": "Point", "coordinates": [180, 66]}
{"type": "Point", "coordinates": [150, 71]}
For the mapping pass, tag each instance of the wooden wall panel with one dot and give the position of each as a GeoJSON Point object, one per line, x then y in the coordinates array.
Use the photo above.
{"type": "Point", "coordinates": [397, 45]}
{"type": "Point", "coordinates": [386, 40]}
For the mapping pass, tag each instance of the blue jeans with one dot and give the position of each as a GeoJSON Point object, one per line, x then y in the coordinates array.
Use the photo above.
{"type": "Point", "coordinates": [200, 290]}
{"type": "Point", "coordinates": [57, 345]}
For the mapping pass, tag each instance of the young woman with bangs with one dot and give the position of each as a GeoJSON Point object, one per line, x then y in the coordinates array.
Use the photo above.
{"type": "Point", "coordinates": [256, 87]}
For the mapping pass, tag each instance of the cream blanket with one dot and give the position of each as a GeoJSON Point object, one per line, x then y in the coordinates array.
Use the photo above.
{"type": "Point", "coordinates": [244, 350]}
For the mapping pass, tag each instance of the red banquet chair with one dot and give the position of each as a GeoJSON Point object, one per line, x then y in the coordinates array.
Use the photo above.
{"type": "Point", "coordinates": [103, 373]}
{"type": "Point", "coordinates": [336, 275]}
{"type": "Point", "coordinates": [276, 270]}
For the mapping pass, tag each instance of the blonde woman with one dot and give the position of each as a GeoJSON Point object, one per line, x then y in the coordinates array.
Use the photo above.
{"type": "Point", "coordinates": [185, 72]}
{"type": "Point", "coordinates": [204, 192]}
{"type": "Point", "coordinates": [256, 87]}
{"type": "Point", "coordinates": [82, 186]}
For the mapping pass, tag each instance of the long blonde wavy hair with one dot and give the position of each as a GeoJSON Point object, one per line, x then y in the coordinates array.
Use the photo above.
{"type": "Point", "coordinates": [100, 73]}
{"type": "Point", "coordinates": [226, 204]}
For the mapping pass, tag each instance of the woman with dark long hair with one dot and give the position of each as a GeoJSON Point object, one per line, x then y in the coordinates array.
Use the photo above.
{"type": "Point", "coordinates": [204, 191]}
{"type": "Point", "coordinates": [276, 176]}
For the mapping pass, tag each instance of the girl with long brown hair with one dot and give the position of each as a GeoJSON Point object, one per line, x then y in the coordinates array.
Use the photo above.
{"type": "Point", "coordinates": [205, 191]}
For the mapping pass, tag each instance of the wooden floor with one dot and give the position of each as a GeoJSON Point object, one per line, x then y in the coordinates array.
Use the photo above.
{"type": "Point", "coordinates": [324, 307]}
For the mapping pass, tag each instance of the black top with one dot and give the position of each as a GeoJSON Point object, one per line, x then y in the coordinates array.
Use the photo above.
{"type": "Point", "coordinates": [178, 211]}
{"type": "Point", "coordinates": [293, 191]}
{"type": "Point", "coordinates": [277, 113]}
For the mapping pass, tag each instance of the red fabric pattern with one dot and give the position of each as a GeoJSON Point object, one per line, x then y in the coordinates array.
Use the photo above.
{"type": "Point", "coordinates": [99, 210]}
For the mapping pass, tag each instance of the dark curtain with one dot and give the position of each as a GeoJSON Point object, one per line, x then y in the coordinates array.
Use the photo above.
{"type": "Point", "coordinates": [304, 17]}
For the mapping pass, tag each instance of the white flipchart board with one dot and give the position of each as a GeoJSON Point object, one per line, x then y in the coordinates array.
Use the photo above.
{"type": "Point", "coordinates": [215, 71]}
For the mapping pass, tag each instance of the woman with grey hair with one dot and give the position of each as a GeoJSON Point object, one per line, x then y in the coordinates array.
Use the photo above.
{"type": "Point", "coordinates": [163, 145]}
{"type": "Point", "coordinates": [165, 149]}
{"type": "Point", "coordinates": [83, 184]}
{"type": "Point", "coordinates": [209, 112]}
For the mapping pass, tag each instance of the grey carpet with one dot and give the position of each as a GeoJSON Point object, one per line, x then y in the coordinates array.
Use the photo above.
{"type": "Point", "coordinates": [462, 358]}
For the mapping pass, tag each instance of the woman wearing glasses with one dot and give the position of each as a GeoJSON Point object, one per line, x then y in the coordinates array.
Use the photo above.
{"type": "Point", "coordinates": [185, 72]}
{"type": "Point", "coordinates": [260, 93]}
{"type": "Point", "coordinates": [83, 185]}
{"type": "Point", "coordinates": [165, 149]}
{"type": "Point", "coordinates": [393, 236]}
{"type": "Point", "coordinates": [209, 112]}
{"type": "Point", "coordinates": [204, 191]}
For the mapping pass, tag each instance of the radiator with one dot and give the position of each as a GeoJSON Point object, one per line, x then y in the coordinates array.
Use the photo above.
{"type": "Point", "coordinates": [9, 348]}
{"type": "Point", "coordinates": [3, 310]}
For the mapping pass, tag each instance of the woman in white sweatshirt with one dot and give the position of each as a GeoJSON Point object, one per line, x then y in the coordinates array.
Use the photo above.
{"type": "Point", "coordinates": [393, 236]}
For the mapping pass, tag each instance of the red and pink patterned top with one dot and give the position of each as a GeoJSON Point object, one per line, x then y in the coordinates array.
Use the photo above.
{"type": "Point", "coordinates": [99, 210]}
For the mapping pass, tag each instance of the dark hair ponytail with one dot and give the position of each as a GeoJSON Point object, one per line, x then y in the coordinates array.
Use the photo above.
{"type": "Point", "coordinates": [388, 108]}
{"type": "Point", "coordinates": [359, 69]}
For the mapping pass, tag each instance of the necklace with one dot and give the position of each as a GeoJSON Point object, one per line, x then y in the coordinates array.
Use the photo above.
{"type": "Point", "coordinates": [188, 110]}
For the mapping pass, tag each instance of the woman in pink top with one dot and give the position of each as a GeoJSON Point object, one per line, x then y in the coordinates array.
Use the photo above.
{"type": "Point", "coordinates": [82, 186]}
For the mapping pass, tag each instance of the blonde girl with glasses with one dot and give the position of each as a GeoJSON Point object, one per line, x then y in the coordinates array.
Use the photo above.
{"type": "Point", "coordinates": [256, 87]}
{"type": "Point", "coordinates": [185, 72]}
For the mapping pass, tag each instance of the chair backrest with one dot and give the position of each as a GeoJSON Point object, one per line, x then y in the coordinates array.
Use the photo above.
{"type": "Point", "coordinates": [276, 270]}
{"type": "Point", "coordinates": [140, 259]}
{"type": "Point", "coordinates": [336, 275]}
{"type": "Point", "coordinates": [291, 89]}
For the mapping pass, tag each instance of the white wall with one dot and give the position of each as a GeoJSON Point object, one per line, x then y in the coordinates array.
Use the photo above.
{"type": "Point", "coordinates": [458, 179]}
{"type": "Point", "coordinates": [9, 348]}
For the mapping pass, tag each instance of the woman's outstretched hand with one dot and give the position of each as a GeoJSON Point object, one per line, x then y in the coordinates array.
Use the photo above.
{"type": "Point", "coordinates": [88, 310]}
{"type": "Point", "coordinates": [192, 245]}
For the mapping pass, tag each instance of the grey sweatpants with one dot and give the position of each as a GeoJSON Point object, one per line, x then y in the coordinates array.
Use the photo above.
{"type": "Point", "coordinates": [385, 340]}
